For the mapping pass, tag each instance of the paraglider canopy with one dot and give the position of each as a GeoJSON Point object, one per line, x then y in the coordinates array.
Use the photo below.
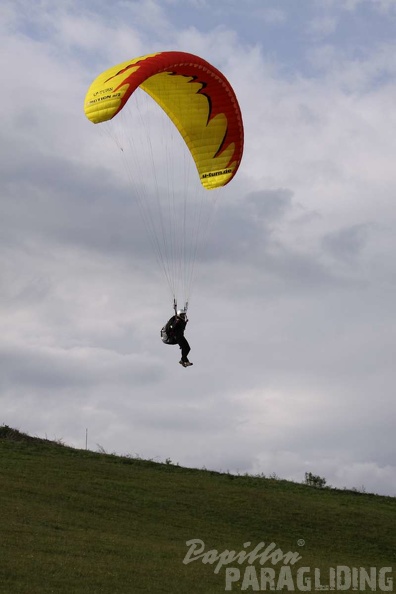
{"type": "Point", "coordinates": [194, 94]}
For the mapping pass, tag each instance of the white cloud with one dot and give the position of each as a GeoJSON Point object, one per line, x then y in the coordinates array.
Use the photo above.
{"type": "Point", "coordinates": [322, 27]}
{"type": "Point", "coordinates": [383, 6]}
{"type": "Point", "coordinates": [271, 16]}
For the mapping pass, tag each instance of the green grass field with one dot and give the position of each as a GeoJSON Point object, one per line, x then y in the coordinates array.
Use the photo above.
{"type": "Point", "coordinates": [74, 521]}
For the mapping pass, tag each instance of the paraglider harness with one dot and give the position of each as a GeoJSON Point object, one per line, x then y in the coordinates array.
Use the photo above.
{"type": "Point", "coordinates": [167, 333]}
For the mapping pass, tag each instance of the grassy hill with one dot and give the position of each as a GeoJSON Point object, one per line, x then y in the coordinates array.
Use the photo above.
{"type": "Point", "coordinates": [74, 521]}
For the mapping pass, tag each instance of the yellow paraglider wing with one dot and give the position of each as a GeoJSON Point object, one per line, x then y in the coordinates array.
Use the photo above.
{"type": "Point", "coordinates": [197, 98]}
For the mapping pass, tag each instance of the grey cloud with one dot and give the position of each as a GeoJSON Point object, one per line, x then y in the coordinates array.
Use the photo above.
{"type": "Point", "coordinates": [245, 226]}
{"type": "Point", "coordinates": [38, 369]}
{"type": "Point", "coordinates": [347, 243]}
{"type": "Point", "coordinates": [56, 199]}
{"type": "Point", "coordinates": [56, 369]}
{"type": "Point", "coordinates": [59, 201]}
{"type": "Point", "coordinates": [269, 205]}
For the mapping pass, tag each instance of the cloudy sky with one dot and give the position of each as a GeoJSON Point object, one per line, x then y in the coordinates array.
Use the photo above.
{"type": "Point", "coordinates": [292, 321]}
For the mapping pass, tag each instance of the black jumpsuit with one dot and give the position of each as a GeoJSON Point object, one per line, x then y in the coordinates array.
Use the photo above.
{"type": "Point", "coordinates": [176, 327]}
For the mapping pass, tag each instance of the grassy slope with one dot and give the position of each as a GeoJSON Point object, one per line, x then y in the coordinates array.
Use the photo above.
{"type": "Point", "coordinates": [73, 521]}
